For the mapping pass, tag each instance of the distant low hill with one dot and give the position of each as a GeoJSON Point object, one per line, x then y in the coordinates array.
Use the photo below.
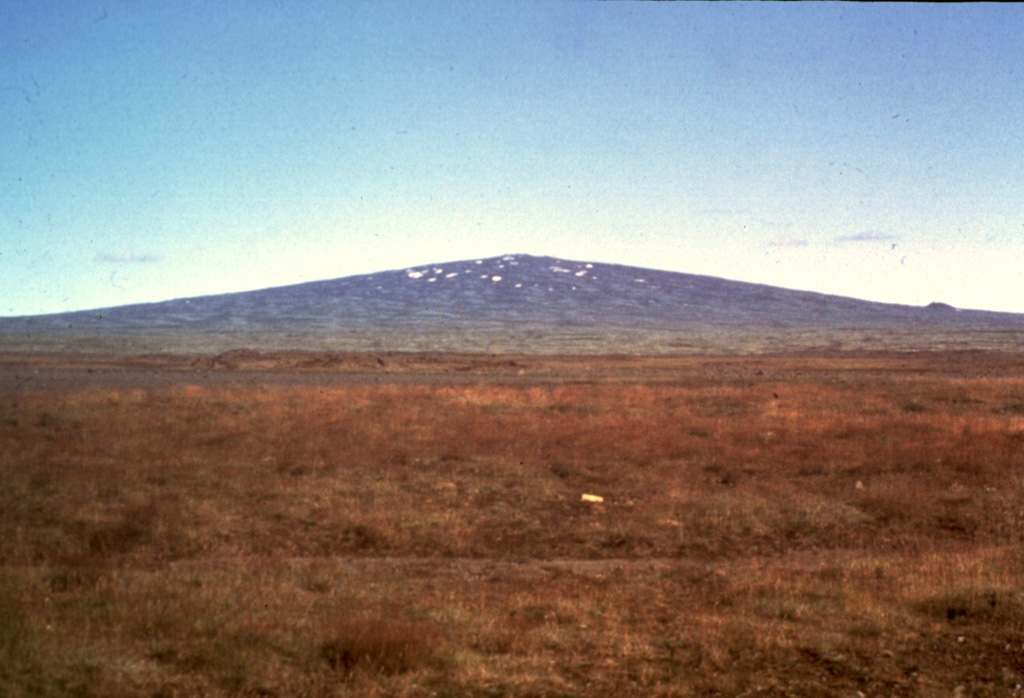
{"type": "Point", "coordinates": [516, 303]}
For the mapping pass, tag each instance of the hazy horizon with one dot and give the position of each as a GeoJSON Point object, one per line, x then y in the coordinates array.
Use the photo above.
{"type": "Point", "coordinates": [434, 264]}
{"type": "Point", "coordinates": [170, 150]}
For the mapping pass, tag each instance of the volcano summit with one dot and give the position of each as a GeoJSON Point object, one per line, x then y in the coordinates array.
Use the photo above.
{"type": "Point", "coordinates": [516, 303]}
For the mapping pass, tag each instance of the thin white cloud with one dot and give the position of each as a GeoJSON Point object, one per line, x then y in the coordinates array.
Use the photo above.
{"type": "Point", "coordinates": [867, 236]}
{"type": "Point", "coordinates": [768, 223]}
{"type": "Point", "coordinates": [128, 258]}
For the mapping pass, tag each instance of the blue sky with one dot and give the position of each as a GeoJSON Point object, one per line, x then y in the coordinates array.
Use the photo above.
{"type": "Point", "coordinates": [157, 150]}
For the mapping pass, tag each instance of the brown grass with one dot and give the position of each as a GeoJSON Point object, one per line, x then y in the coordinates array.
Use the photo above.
{"type": "Point", "coordinates": [770, 526]}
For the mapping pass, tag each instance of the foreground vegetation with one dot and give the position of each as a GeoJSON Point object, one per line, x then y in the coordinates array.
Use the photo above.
{"type": "Point", "coordinates": [769, 526]}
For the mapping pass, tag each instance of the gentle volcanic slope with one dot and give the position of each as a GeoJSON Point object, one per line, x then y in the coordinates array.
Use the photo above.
{"type": "Point", "coordinates": [508, 303]}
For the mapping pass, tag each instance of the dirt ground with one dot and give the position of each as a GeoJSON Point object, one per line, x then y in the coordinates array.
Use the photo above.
{"type": "Point", "coordinates": [412, 524]}
{"type": "Point", "coordinates": [56, 371]}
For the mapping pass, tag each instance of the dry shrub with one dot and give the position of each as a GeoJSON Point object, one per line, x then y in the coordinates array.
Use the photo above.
{"type": "Point", "coordinates": [379, 645]}
{"type": "Point", "coordinates": [124, 535]}
{"type": "Point", "coordinates": [976, 605]}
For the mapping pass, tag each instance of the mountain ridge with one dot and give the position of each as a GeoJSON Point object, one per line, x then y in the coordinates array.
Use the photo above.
{"type": "Point", "coordinates": [513, 301]}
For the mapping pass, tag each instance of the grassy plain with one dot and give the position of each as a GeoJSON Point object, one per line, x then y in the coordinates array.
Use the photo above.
{"type": "Point", "coordinates": [292, 525]}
